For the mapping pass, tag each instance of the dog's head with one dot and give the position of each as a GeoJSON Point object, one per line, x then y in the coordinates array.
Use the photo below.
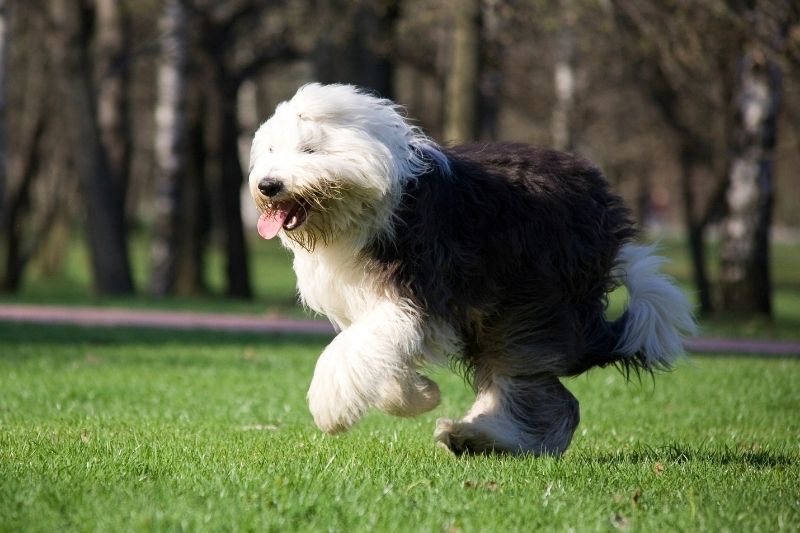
{"type": "Point", "coordinates": [330, 164]}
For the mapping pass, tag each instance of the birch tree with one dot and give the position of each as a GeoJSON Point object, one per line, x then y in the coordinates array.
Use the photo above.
{"type": "Point", "coordinates": [745, 284]}
{"type": "Point", "coordinates": [564, 77]}
{"type": "Point", "coordinates": [170, 135]}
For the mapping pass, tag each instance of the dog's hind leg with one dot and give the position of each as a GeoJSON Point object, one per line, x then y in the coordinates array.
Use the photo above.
{"type": "Point", "coordinates": [524, 414]}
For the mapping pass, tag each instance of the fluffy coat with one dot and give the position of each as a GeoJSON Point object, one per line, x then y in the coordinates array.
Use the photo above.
{"type": "Point", "coordinates": [497, 257]}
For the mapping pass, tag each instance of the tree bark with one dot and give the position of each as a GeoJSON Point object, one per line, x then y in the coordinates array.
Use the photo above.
{"type": "Point", "coordinates": [461, 85]}
{"type": "Point", "coordinates": [16, 204]}
{"type": "Point", "coordinates": [170, 136]}
{"type": "Point", "coordinates": [231, 180]}
{"type": "Point", "coordinates": [105, 224]}
{"type": "Point", "coordinates": [195, 213]}
{"type": "Point", "coordinates": [112, 45]}
{"type": "Point", "coordinates": [695, 230]}
{"type": "Point", "coordinates": [745, 283]}
{"type": "Point", "coordinates": [225, 175]}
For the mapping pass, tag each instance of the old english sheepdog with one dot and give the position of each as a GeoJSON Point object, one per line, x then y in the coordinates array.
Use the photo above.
{"type": "Point", "coordinates": [495, 257]}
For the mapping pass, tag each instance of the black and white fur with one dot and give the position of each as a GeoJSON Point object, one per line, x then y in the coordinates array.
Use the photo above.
{"type": "Point", "coordinates": [495, 256]}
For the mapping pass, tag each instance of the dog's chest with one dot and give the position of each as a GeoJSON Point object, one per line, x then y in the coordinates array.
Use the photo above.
{"type": "Point", "coordinates": [335, 284]}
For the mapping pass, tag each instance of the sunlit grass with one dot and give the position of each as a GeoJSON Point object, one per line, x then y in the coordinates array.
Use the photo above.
{"type": "Point", "coordinates": [149, 430]}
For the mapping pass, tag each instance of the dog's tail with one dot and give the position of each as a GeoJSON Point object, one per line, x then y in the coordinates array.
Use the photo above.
{"type": "Point", "coordinates": [658, 316]}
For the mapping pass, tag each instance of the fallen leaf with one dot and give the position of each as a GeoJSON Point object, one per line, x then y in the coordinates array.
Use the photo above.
{"type": "Point", "coordinates": [491, 486]}
{"type": "Point", "coordinates": [659, 468]}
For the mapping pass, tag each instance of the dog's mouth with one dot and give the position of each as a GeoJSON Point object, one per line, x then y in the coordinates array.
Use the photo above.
{"type": "Point", "coordinates": [288, 215]}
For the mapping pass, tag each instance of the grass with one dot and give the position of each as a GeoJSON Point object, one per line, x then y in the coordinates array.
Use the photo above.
{"type": "Point", "coordinates": [116, 429]}
{"type": "Point", "coordinates": [122, 429]}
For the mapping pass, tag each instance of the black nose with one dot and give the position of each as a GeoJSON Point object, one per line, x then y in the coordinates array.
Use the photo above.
{"type": "Point", "coordinates": [270, 186]}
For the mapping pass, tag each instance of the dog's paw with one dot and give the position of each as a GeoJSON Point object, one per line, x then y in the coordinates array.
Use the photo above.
{"type": "Point", "coordinates": [441, 435]}
{"type": "Point", "coordinates": [332, 400]}
{"type": "Point", "coordinates": [331, 411]}
{"type": "Point", "coordinates": [462, 438]}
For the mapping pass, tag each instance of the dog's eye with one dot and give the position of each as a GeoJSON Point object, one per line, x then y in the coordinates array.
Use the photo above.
{"type": "Point", "coordinates": [271, 149]}
{"type": "Point", "coordinates": [308, 149]}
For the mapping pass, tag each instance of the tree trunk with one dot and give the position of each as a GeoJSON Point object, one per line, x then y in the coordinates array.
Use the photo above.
{"type": "Point", "coordinates": [745, 284]}
{"type": "Point", "coordinates": [461, 85]}
{"type": "Point", "coordinates": [112, 44]}
{"type": "Point", "coordinates": [4, 31]}
{"type": "Point", "coordinates": [16, 206]}
{"type": "Point", "coordinates": [102, 197]}
{"type": "Point", "coordinates": [695, 230]}
{"type": "Point", "coordinates": [232, 178]}
{"type": "Point", "coordinates": [491, 71]}
{"type": "Point", "coordinates": [225, 175]}
{"type": "Point", "coordinates": [692, 154]}
{"type": "Point", "coordinates": [195, 218]}
{"type": "Point", "coordinates": [170, 136]}
{"type": "Point", "coordinates": [564, 78]}
{"type": "Point", "coordinates": [360, 51]}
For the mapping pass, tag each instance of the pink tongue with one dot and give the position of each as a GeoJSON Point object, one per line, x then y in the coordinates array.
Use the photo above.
{"type": "Point", "coordinates": [270, 223]}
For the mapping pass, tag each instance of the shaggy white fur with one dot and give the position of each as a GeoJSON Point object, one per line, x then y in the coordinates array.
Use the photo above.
{"type": "Point", "coordinates": [337, 134]}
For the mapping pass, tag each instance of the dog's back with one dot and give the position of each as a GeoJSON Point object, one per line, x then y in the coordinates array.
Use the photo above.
{"type": "Point", "coordinates": [514, 246]}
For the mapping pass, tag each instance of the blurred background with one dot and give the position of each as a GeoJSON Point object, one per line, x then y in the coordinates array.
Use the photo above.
{"type": "Point", "coordinates": [125, 129]}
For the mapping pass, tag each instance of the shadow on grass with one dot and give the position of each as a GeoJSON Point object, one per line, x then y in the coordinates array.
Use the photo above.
{"type": "Point", "coordinates": [78, 297]}
{"type": "Point", "coordinates": [750, 456]}
{"type": "Point", "coordinates": [14, 334]}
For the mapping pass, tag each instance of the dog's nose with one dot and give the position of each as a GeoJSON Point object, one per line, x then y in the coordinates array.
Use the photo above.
{"type": "Point", "coordinates": [270, 186]}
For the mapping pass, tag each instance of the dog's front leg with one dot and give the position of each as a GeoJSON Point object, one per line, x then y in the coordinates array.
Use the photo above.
{"type": "Point", "coordinates": [372, 364]}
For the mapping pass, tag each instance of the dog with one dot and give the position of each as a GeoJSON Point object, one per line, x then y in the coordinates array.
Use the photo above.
{"type": "Point", "coordinates": [494, 257]}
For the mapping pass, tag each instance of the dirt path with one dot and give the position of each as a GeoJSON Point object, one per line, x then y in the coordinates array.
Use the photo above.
{"type": "Point", "coordinates": [183, 320]}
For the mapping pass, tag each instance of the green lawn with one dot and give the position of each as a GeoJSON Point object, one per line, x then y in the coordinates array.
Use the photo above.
{"type": "Point", "coordinates": [117, 430]}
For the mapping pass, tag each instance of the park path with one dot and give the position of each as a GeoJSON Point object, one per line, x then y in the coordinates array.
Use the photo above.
{"type": "Point", "coordinates": [268, 324]}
